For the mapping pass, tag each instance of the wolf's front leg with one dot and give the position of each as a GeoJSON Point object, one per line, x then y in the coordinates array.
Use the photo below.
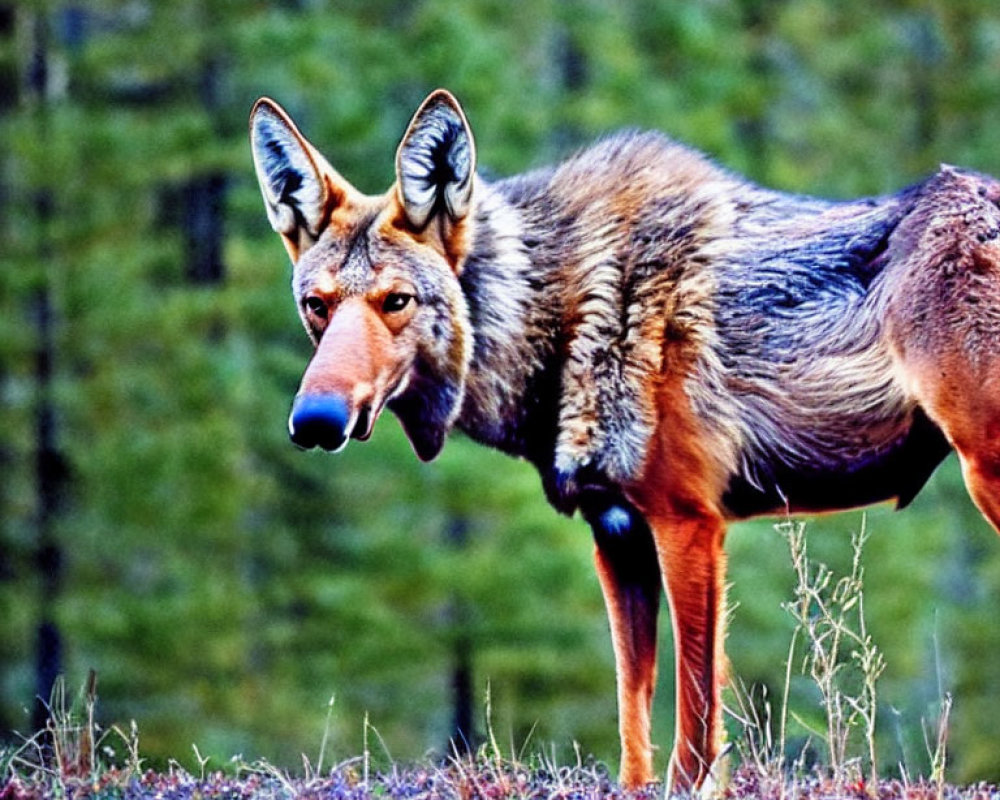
{"type": "Point", "coordinates": [693, 564]}
{"type": "Point", "coordinates": [630, 579]}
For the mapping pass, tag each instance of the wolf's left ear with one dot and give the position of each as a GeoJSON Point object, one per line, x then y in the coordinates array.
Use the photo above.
{"type": "Point", "coordinates": [436, 161]}
{"type": "Point", "coordinates": [300, 188]}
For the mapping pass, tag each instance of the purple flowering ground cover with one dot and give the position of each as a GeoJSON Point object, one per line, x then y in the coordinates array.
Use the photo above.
{"type": "Point", "coordinates": [472, 778]}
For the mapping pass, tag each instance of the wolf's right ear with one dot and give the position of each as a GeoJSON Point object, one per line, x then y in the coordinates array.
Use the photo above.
{"type": "Point", "coordinates": [436, 161]}
{"type": "Point", "coordinates": [300, 188]}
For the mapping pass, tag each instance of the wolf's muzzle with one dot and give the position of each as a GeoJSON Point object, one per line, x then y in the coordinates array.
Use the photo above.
{"type": "Point", "coordinates": [319, 420]}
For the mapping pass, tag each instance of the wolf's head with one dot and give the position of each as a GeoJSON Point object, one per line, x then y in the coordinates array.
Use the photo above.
{"type": "Point", "coordinates": [376, 278]}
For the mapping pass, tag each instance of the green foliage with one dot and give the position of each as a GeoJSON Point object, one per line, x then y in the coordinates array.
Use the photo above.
{"type": "Point", "coordinates": [224, 585]}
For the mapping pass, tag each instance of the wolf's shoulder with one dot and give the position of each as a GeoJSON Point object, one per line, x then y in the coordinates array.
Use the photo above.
{"type": "Point", "coordinates": [633, 155]}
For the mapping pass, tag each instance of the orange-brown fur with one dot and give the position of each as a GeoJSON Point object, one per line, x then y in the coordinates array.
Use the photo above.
{"type": "Point", "coordinates": [674, 494]}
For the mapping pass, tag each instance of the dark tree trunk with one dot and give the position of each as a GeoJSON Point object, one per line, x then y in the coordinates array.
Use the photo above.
{"type": "Point", "coordinates": [204, 211]}
{"type": "Point", "coordinates": [463, 735]}
{"type": "Point", "coordinates": [50, 466]}
{"type": "Point", "coordinates": [205, 196]}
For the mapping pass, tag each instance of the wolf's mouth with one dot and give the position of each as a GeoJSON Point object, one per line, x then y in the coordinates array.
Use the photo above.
{"type": "Point", "coordinates": [326, 420]}
{"type": "Point", "coordinates": [365, 423]}
{"type": "Point", "coordinates": [368, 414]}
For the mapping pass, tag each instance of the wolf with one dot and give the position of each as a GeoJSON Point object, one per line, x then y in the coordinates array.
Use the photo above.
{"type": "Point", "coordinates": [671, 346]}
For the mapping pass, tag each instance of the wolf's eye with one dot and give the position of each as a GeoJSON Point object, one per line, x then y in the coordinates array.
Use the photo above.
{"type": "Point", "coordinates": [396, 301]}
{"type": "Point", "coordinates": [316, 306]}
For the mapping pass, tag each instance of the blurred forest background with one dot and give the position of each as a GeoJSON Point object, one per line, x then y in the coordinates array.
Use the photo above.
{"type": "Point", "coordinates": [157, 526]}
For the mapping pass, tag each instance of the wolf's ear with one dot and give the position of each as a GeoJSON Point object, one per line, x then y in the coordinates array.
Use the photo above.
{"type": "Point", "coordinates": [436, 161]}
{"type": "Point", "coordinates": [300, 188]}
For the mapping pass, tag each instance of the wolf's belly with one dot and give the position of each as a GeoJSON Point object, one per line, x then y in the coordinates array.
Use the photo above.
{"type": "Point", "coordinates": [897, 471]}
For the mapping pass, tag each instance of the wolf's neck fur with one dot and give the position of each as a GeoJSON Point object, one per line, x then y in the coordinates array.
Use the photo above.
{"type": "Point", "coordinates": [567, 282]}
{"type": "Point", "coordinates": [562, 285]}
{"type": "Point", "coordinates": [514, 299]}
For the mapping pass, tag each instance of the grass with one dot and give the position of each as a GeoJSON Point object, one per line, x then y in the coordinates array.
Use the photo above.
{"type": "Point", "coordinates": [832, 645]}
{"type": "Point", "coordinates": [75, 758]}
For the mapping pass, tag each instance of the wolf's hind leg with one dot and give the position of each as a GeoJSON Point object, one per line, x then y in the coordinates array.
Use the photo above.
{"type": "Point", "coordinates": [970, 418]}
{"type": "Point", "coordinates": [961, 395]}
{"type": "Point", "coordinates": [982, 477]}
{"type": "Point", "coordinates": [943, 320]}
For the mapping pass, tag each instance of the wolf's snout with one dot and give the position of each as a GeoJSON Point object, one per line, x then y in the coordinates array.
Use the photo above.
{"type": "Point", "coordinates": [319, 420]}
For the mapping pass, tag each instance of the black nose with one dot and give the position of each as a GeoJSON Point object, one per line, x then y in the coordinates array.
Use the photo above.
{"type": "Point", "coordinates": [319, 420]}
